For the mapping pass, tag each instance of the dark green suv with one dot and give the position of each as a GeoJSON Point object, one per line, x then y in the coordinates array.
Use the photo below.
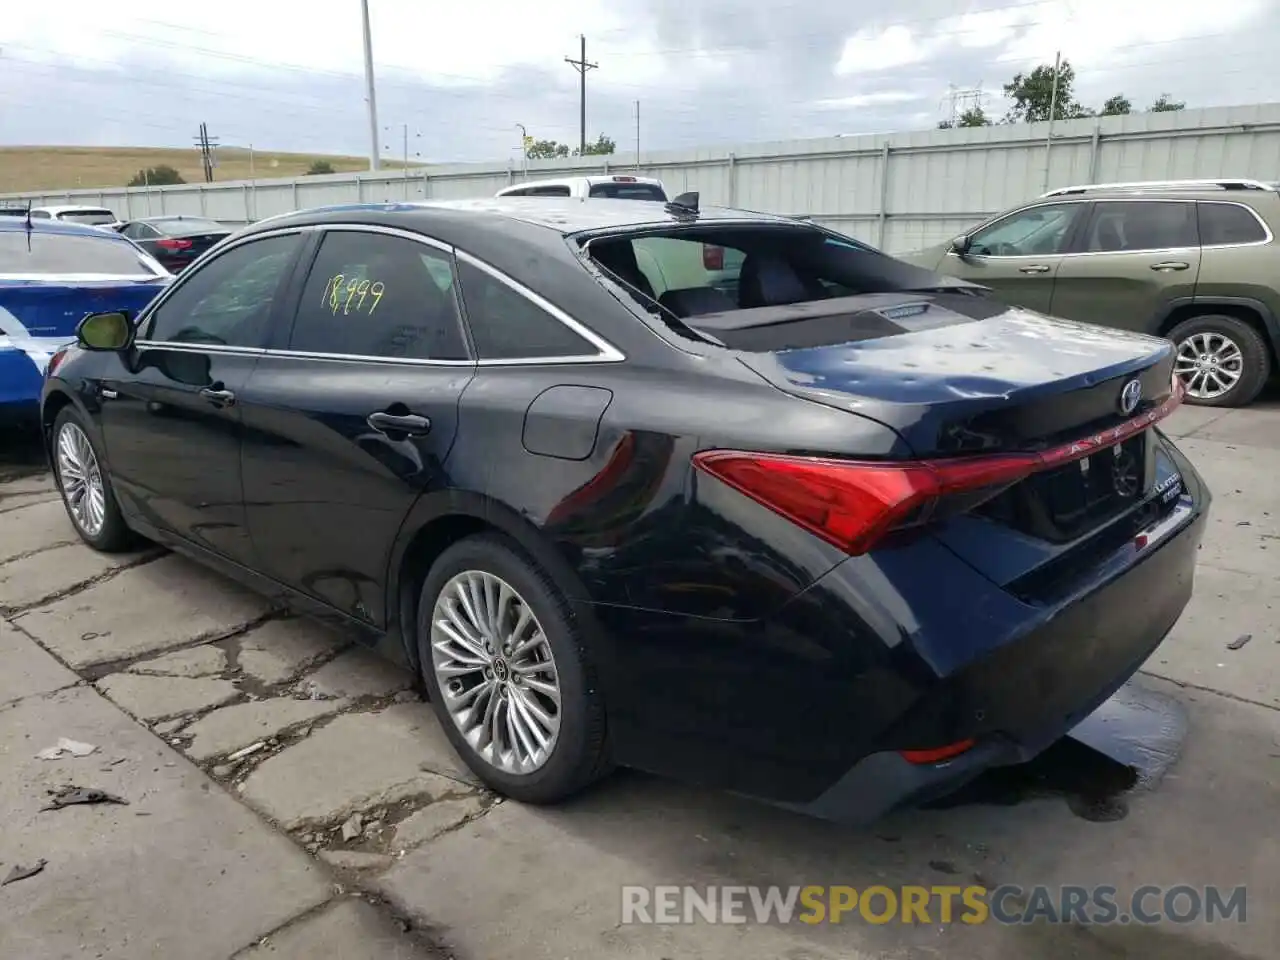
{"type": "Point", "coordinates": [1192, 260]}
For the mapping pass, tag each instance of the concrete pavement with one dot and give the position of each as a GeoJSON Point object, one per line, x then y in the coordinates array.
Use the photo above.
{"type": "Point", "coordinates": [290, 796]}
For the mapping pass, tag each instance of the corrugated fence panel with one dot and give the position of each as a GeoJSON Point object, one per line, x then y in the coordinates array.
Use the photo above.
{"type": "Point", "coordinates": [900, 191]}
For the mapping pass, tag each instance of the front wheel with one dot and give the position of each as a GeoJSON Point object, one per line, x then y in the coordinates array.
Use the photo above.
{"type": "Point", "coordinates": [508, 674]}
{"type": "Point", "coordinates": [85, 486]}
{"type": "Point", "coordinates": [1222, 361]}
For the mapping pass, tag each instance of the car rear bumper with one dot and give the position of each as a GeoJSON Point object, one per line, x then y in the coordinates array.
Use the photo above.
{"type": "Point", "coordinates": [1022, 696]}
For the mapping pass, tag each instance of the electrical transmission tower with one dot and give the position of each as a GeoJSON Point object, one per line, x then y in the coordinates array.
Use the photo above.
{"type": "Point", "coordinates": [962, 101]}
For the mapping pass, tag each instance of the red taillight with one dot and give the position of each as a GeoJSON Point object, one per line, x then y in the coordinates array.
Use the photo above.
{"type": "Point", "coordinates": [712, 257]}
{"type": "Point", "coordinates": [171, 243]}
{"type": "Point", "coordinates": [853, 504]}
{"type": "Point", "coordinates": [937, 754]}
{"type": "Point", "coordinates": [55, 361]}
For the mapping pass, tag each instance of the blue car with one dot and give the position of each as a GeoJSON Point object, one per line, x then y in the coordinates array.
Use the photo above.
{"type": "Point", "coordinates": [51, 275]}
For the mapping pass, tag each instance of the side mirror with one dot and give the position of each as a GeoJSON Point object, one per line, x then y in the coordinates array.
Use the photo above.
{"type": "Point", "coordinates": [105, 332]}
{"type": "Point", "coordinates": [961, 244]}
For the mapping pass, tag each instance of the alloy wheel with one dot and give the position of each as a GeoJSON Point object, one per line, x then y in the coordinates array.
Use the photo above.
{"type": "Point", "coordinates": [496, 671]}
{"type": "Point", "coordinates": [80, 478]}
{"type": "Point", "coordinates": [1210, 364]}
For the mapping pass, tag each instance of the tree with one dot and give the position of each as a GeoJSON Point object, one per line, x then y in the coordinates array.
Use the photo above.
{"type": "Point", "coordinates": [1117, 106]}
{"type": "Point", "coordinates": [1032, 93]}
{"type": "Point", "coordinates": [1164, 105]}
{"type": "Point", "coordinates": [973, 117]}
{"type": "Point", "coordinates": [551, 150]}
{"type": "Point", "coordinates": [601, 148]}
{"type": "Point", "coordinates": [544, 149]}
{"type": "Point", "coordinates": [319, 167]}
{"type": "Point", "coordinates": [161, 175]}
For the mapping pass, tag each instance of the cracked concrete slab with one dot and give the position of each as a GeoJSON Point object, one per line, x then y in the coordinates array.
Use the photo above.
{"type": "Point", "coordinates": [182, 871]}
{"type": "Point", "coordinates": [642, 830]}
{"type": "Point", "coordinates": [203, 661]}
{"type": "Point", "coordinates": [26, 670]}
{"type": "Point", "coordinates": [35, 527]}
{"type": "Point", "coordinates": [354, 762]}
{"type": "Point", "coordinates": [156, 698]}
{"type": "Point", "coordinates": [51, 572]}
{"type": "Point", "coordinates": [358, 673]}
{"type": "Point", "coordinates": [182, 601]}
{"type": "Point", "coordinates": [278, 650]}
{"type": "Point", "coordinates": [433, 820]}
{"type": "Point", "coordinates": [346, 929]}
{"type": "Point", "coordinates": [227, 730]}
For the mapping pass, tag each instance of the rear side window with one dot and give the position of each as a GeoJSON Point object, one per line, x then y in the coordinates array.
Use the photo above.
{"type": "Point", "coordinates": [1133, 225]}
{"type": "Point", "coordinates": [51, 254]}
{"type": "Point", "coordinates": [507, 325]}
{"type": "Point", "coordinates": [1227, 223]}
{"type": "Point", "coordinates": [187, 226]}
{"type": "Point", "coordinates": [90, 217]}
{"type": "Point", "coordinates": [372, 295]}
{"type": "Point", "coordinates": [628, 191]}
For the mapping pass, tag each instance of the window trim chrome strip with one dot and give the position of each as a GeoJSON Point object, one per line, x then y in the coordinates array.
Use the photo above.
{"type": "Point", "coordinates": [608, 353]}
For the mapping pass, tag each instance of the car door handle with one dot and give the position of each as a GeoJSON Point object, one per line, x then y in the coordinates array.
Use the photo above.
{"type": "Point", "coordinates": [1171, 265]}
{"type": "Point", "coordinates": [407, 423]}
{"type": "Point", "coordinates": [218, 396]}
{"type": "Point", "coordinates": [1034, 268]}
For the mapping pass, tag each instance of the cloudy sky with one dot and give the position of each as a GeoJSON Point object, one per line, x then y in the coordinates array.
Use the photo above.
{"type": "Point", "coordinates": [281, 75]}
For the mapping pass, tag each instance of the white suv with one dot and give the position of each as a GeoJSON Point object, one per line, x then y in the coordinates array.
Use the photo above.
{"type": "Point", "coordinates": [614, 187]}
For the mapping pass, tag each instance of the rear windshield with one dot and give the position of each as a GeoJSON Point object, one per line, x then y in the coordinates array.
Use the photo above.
{"type": "Point", "coordinates": [32, 254]}
{"type": "Point", "coordinates": [187, 226]}
{"type": "Point", "coordinates": [628, 191]}
{"type": "Point", "coordinates": [741, 286]}
{"type": "Point", "coordinates": [90, 217]}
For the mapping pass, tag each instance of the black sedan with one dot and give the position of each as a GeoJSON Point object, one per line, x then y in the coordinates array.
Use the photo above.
{"type": "Point", "coordinates": [175, 241]}
{"type": "Point", "coordinates": [840, 543]}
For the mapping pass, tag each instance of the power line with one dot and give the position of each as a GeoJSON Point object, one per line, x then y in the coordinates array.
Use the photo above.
{"type": "Point", "coordinates": [582, 66]}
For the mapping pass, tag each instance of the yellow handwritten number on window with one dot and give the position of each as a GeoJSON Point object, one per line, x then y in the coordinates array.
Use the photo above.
{"type": "Point", "coordinates": [337, 294]}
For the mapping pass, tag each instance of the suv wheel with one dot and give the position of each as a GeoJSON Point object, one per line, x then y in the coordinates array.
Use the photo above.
{"type": "Point", "coordinates": [1222, 361]}
{"type": "Point", "coordinates": [507, 673]}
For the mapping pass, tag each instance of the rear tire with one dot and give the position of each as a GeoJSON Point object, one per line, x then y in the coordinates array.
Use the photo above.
{"type": "Point", "coordinates": [495, 689]}
{"type": "Point", "coordinates": [1210, 350]}
{"type": "Point", "coordinates": [85, 485]}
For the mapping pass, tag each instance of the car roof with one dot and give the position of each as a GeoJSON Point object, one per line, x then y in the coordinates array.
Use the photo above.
{"type": "Point", "coordinates": [563, 216]}
{"type": "Point", "coordinates": [1226, 188]}
{"type": "Point", "coordinates": [595, 178]}
{"type": "Point", "coordinates": [73, 208]}
{"type": "Point", "coordinates": [14, 224]}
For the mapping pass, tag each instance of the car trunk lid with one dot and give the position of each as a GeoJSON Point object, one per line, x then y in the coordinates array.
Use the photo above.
{"type": "Point", "coordinates": [959, 377]}
{"type": "Point", "coordinates": [952, 373]}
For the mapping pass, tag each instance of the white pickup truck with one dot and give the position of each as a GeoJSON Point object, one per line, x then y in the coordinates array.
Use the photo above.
{"type": "Point", "coordinates": [618, 187]}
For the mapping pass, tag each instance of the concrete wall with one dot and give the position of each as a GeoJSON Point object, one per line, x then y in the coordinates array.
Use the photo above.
{"type": "Point", "coordinates": [897, 191]}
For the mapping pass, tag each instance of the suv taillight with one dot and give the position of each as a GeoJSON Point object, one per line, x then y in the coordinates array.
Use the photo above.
{"type": "Point", "coordinates": [712, 257]}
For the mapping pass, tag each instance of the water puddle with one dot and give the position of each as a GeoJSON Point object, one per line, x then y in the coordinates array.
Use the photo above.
{"type": "Point", "coordinates": [1126, 744]}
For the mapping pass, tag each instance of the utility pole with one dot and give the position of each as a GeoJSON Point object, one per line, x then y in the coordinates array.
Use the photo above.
{"type": "Point", "coordinates": [405, 130]}
{"type": "Point", "coordinates": [206, 145]}
{"type": "Point", "coordinates": [524, 150]}
{"type": "Point", "coordinates": [370, 99]}
{"type": "Point", "coordinates": [1053, 112]}
{"type": "Point", "coordinates": [637, 136]}
{"type": "Point", "coordinates": [582, 66]}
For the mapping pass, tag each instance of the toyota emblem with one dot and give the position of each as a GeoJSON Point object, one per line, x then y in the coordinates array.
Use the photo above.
{"type": "Point", "coordinates": [1130, 397]}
